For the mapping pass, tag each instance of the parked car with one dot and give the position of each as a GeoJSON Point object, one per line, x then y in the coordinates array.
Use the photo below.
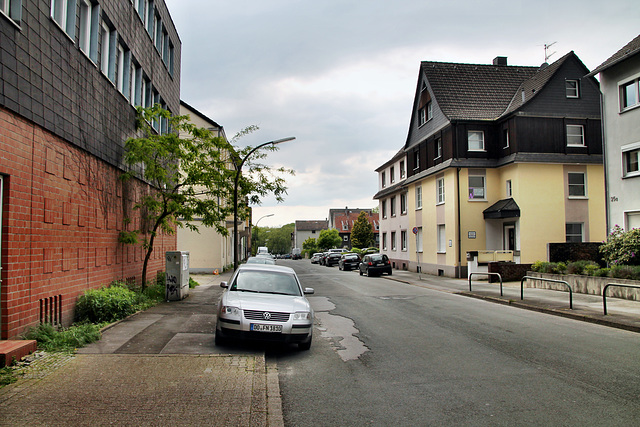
{"type": "Point", "coordinates": [323, 258]}
{"type": "Point", "coordinates": [265, 302]}
{"type": "Point", "coordinates": [375, 264]}
{"type": "Point", "coordinates": [333, 258]}
{"type": "Point", "coordinates": [349, 261]}
{"type": "Point", "coordinates": [315, 259]}
{"type": "Point", "coordinates": [260, 260]}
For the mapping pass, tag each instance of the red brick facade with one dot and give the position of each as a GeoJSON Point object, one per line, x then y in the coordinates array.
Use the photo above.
{"type": "Point", "coordinates": [62, 211]}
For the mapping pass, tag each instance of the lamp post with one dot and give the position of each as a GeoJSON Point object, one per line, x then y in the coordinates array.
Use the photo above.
{"type": "Point", "coordinates": [256, 226]}
{"type": "Point", "coordinates": [235, 194]}
{"type": "Point", "coordinates": [266, 216]}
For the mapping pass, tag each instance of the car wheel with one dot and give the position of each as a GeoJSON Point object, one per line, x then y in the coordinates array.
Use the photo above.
{"type": "Point", "coordinates": [368, 273]}
{"type": "Point", "coordinates": [390, 271]}
{"type": "Point", "coordinates": [219, 340]}
{"type": "Point", "coordinates": [360, 271]}
{"type": "Point", "coordinates": [304, 346]}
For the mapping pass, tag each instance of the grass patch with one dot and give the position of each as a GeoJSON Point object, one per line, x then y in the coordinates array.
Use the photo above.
{"type": "Point", "coordinates": [7, 376]}
{"type": "Point", "coordinates": [66, 340]}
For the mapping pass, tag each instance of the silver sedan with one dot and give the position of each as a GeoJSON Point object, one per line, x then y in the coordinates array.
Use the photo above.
{"type": "Point", "coordinates": [265, 302]}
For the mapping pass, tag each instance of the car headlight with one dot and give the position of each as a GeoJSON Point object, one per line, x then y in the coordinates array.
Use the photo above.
{"type": "Point", "coordinates": [302, 315]}
{"type": "Point", "coordinates": [230, 310]}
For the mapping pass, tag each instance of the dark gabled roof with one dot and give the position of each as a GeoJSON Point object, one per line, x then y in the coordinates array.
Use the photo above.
{"type": "Point", "coordinates": [505, 208]}
{"type": "Point", "coordinates": [474, 91]}
{"type": "Point", "coordinates": [630, 49]}
{"type": "Point", "coordinates": [533, 85]}
{"type": "Point", "coordinates": [312, 225]}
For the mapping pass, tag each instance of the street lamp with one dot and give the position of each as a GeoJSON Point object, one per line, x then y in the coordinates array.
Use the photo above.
{"type": "Point", "coordinates": [266, 216]}
{"type": "Point", "coordinates": [235, 194]}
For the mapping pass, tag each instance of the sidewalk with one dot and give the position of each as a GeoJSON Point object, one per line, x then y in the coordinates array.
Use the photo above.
{"type": "Point", "coordinates": [157, 367]}
{"type": "Point", "coordinates": [621, 313]}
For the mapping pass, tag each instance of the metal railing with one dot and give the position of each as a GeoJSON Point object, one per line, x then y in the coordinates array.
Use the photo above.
{"type": "Point", "coordinates": [547, 280]}
{"type": "Point", "coordinates": [604, 293]}
{"type": "Point", "coordinates": [487, 274]}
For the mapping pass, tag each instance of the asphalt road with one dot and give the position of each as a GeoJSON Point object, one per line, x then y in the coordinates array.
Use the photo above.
{"type": "Point", "coordinates": [388, 353]}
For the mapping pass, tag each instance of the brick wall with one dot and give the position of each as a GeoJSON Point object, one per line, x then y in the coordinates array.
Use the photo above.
{"type": "Point", "coordinates": [62, 212]}
{"type": "Point", "coordinates": [509, 271]}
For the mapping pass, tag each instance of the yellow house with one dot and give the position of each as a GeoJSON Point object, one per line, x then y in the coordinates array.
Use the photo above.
{"type": "Point", "coordinates": [501, 161]}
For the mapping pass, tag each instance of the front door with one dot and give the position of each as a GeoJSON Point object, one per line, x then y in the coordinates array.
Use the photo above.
{"type": "Point", "coordinates": [509, 234]}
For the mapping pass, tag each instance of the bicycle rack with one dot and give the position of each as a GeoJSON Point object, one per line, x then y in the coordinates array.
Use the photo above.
{"type": "Point", "coordinates": [547, 280]}
{"type": "Point", "coordinates": [604, 293]}
{"type": "Point", "coordinates": [487, 274]}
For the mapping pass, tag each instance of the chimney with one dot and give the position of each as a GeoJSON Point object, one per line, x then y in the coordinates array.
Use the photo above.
{"type": "Point", "coordinates": [500, 61]}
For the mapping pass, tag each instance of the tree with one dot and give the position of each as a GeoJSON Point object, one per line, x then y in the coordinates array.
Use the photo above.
{"type": "Point", "coordinates": [329, 239]}
{"type": "Point", "coordinates": [190, 177]}
{"type": "Point", "coordinates": [362, 232]}
{"type": "Point", "coordinates": [310, 246]}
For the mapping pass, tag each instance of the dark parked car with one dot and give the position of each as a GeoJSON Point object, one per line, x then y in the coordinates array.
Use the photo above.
{"type": "Point", "coordinates": [349, 262]}
{"type": "Point", "coordinates": [332, 259]}
{"type": "Point", "coordinates": [323, 258]}
{"type": "Point", "coordinates": [375, 264]}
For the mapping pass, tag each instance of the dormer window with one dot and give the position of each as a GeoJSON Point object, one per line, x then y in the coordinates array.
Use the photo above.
{"type": "Point", "coordinates": [425, 114]}
{"type": "Point", "coordinates": [572, 88]}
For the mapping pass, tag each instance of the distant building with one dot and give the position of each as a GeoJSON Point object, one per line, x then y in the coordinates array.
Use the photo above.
{"type": "Point", "coordinates": [346, 211]}
{"type": "Point", "coordinates": [620, 86]}
{"type": "Point", "coordinates": [71, 76]}
{"type": "Point", "coordinates": [345, 225]}
{"type": "Point", "coordinates": [307, 229]}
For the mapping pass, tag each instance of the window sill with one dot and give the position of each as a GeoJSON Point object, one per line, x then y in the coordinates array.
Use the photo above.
{"type": "Point", "coordinates": [439, 203]}
{"type": "Point", "coordinates": [477, 151]}
{"type": "Point", "coordinates": [437, 158]}
{"type": "Point", "coordinates": [477, 200]}
{"type": "Point", "coordinates": [578, 197]}
{"type": "Point", "coordinates": [576, 146]}
{"type": "Point", "coordinates": [631, 175]}
{"type": "Point", "coordinates": [633, 107]}
{"type": "Point", "coordinates": [441, 252]}
{"type": "Point", "coordinates": [419, 208]}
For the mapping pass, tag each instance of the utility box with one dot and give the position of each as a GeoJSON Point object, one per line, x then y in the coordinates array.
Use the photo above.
{"type": "Point", "coordinates": [177, 275]}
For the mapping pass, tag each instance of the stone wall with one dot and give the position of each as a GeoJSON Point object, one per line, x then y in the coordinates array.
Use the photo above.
{"type": "Point", "coordinates": [586, 285]}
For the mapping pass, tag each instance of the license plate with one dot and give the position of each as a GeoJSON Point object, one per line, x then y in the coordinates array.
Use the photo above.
{"type": "Point", "coordinates": [257, 327]}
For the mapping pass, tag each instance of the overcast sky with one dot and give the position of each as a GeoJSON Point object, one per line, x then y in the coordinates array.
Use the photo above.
{"type": "Point", "coordinates": [340, 75]}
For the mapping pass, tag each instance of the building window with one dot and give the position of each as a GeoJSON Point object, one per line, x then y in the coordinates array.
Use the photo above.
{"type": "Point", "coordinates": [403, 203]}
{"type": "Point", "coordinates": [577, 184]}
{"type": "Point", "coordinates": [631, 159]}
{"type": "Point", "coordinates": [425, 114]}
{"type": "Point", "coordinates": [393, 240]}
{"type": "Point", "coordinates": [384, 179]}
{"type": "Point", "coordinates": [345, 225]}
{"type": "Point", "coordinates": [393, 206]}
{"type": "Point", "coordinates": [12, 9]}
{"type": "Point", "coordinates": [505, 137]}
{"type": "Point", "coordinates": [438, 148]}
{"type": "Point", "coordinates": [509, 190]}
{"type": "Point", "coordinates": [108, 52]}
{"type": "Point", "coordinates": [476, 187]}
{"type": "Point", "coordinates": [442, 239]}
{"type": "Point", "coordinates": [419, 197]}
{"type": "Point", "coordinates": [384, 241]}
{"type": "Point", "coordinates": [572, 88]}
{"type": "Point", "coordinates": [123, 70]}
{"type": "Point", "coordinates": [64, 13]}
{"type": "Point", "coordinates": [475, 140]}
{"type": "Point", "coordinates": [574, 232]}
{"type": "Point", "coordinates": [392, 175]}
{"type": "Point", "coordinates": [402, 170]}
{"type": "Point", "coordinates": [440, 190]}
{"type": "Point", "coordinates": [416, 159]}
{"type": "Point", "coordinates": [89, 29]}
{"type": "Point", "coordinates": [384, 209]}
{"type": "Point", "coordinates": [419, 240]}
{"type": "Point", "coordinates": [632, 220]}
{"type": "Point", "coordinates": [403, 240]}
{"type": "Point", "coordinates": [136, 83]}
{"type": "Point", "coordinates": [575, 135]}
{"type": "Point", "coordinates": [629, 96]}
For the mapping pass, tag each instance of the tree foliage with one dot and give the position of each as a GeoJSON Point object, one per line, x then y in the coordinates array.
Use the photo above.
{"type": "Point", "coordinates": [310, 246]}
{"type": "Point", "coordinates": [191, 172]}
{"type": "Point", "coordinates": [362, 232]}
{"type": "Point", "coordinates": [329, 239]}
{"type": "Point", "coordinates": [277, 239]}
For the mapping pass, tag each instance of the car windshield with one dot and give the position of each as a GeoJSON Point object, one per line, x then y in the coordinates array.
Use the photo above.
{"type": "Point", "coordinates": [260, 260]}
{"type": "Point", "coordinates": [351, 257]}
{"type": "Point", "coordinates": [376, 258]}
{"type": "Point", "coordinates": [266, 282]}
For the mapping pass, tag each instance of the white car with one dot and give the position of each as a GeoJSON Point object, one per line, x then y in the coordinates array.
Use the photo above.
{"type": "Point", "coordinates": [265, 302]}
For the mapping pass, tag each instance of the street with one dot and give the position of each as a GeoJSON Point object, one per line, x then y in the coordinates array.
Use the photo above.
{"type": "Point", "coordinates": [388, 353]}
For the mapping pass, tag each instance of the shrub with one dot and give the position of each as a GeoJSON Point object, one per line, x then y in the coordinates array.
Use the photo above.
{"type": "Point", "coordinates": [602, 272]}
{"type": "Point", "coordinates": [625, 272]}
{"type": "Point", "coordinates": [549, 267]}
{"type": "Point", "coordinates": [591, 269]}
{"type": "Point", "coordinates": [52, 339]}
{"type": "Point", "coordinates": [106, 304]}
{"type": "Point", "coordinates": [622, 247]}
{"type": "Point", "coordinates": [581, 267]}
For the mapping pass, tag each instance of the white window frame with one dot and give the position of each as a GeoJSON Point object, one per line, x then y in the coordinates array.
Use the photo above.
{"type": "Point", "coordinates": [384, 241]}
{"type": "Point", "coordinates": [402, 169]}
{"type": "Point", "coordinates": [12, 9]}
{"type": "Point", "coordinates": [403, 203]}
{"type": "Point", "coordinates": [509, 189]}
{"type": "Point", "coordinates": [570, 237]}
{"type": "Point", "coordinates": [572, 135]}
{"type": "Point", "coordinates": [392, 175]}
{"type": "Point", "coordinates": [418, 197]}
{"type": "Point", "coordinates": [572, 88]}
{"type": "Point", "coordinates": [403, 240]}
{"type": "Point", "coordinates": [472, 189]}
{"type": "Point", "coordinates": [63, 13]}
{"type": "Point", "coordinates": [416, 159]}
{"type": "Point", "coordinates": [383, 178]}
{"type": "Point", "coordinates": [422, 116]}
{"type": "Point", "coordinates": [419, 240]}
{"type": "Point", "coordinates": [574, 187]}
{"type": "Point", "coordinates": [626, 103]}
{"type": "Point", "coordinates": [630, 151]}
{"type": "Point", "coordinates": [505, 132]}
{"type": "Point", "coordinates": [438, 149]}
{"type": "Point", "coordinates": [442, 239]}
{"type": "Point", "coordinates": [475, 140]}
{"type": "Point", "coordinates": [393, 241]}
{"type": "Point", "coordinates": [392, 206]}
{"type": "Point", "coordinates": [440, 191]}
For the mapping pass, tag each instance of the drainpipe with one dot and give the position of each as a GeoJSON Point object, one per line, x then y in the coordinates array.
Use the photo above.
{"type": "Point", "coordinates": [604, 165]}
{"type": "Point", "coordinates": [458, 230]}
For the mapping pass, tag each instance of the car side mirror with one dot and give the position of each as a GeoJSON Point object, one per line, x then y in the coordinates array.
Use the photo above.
{"type": "Point", "coordinates": [309, 291]}
{"type": "Point", "coordinates": [224, 285]}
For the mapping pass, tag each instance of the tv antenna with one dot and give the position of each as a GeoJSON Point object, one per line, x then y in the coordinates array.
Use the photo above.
{"type": "Point", "coordinates": [548, 55]}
